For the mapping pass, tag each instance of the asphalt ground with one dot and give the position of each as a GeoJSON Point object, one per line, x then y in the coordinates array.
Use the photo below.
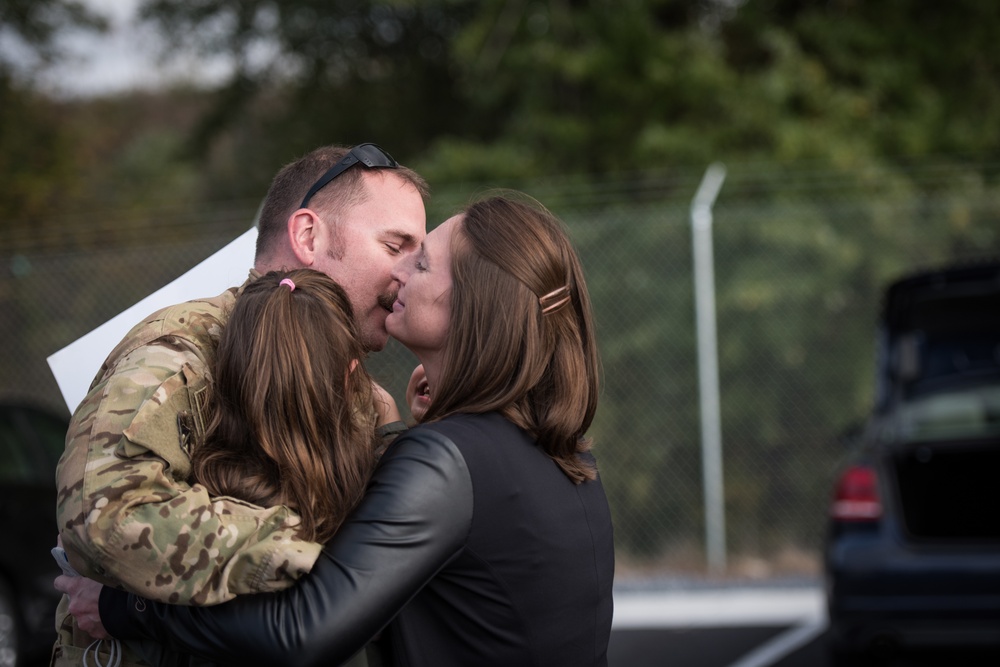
{"type": "Point", "coordinates": [745, 627]}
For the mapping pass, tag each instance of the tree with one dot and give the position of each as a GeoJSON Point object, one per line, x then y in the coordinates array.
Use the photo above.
{"type": "Point", "coordinates": [36, 147]}
{"type": "Point", "coordinates": [35, 24]}
{"type": "Point", "coordinates": [331, 72]}
{"type": "Point", "coordinates": [480, 90]}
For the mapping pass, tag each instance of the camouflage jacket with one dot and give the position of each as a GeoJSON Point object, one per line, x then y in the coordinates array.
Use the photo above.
{"type": "Point", "coordinates": [128, 512]}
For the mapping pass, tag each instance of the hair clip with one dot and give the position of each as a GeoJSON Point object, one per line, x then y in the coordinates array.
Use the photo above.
{"type": "Point", "coordinates": [562, 293]}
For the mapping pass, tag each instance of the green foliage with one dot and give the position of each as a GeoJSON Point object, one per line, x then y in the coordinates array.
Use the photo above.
{"type": "Point", "coordinates": [346, 71]}
{"type": "Point", "coordinates": [486, 91]}
{"type": "Point", "coordinates": [34, 154]}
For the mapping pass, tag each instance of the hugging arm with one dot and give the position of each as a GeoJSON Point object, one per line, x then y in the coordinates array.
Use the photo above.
{"type": "Point", "coordinates": [414, 518]}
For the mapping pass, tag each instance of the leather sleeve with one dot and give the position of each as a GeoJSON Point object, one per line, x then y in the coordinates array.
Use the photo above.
{"type": "Point", "coordinates": [414, 518]}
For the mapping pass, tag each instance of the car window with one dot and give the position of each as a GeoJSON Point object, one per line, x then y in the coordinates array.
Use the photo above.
{"type": "Point", "coordinates": [960, 412]}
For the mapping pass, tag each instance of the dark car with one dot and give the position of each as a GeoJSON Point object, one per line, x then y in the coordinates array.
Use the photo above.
{"type": "Point", "coordinates": [913, 551]}
{"type": "Point", "coordinates": [31, 440]}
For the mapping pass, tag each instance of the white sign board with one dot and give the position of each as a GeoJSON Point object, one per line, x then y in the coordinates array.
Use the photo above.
{"type": "Point", "coordinates": [76, 364]}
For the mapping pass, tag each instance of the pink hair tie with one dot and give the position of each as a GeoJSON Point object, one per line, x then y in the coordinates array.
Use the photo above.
{"type": "Point", "coordinates": [288, 281]}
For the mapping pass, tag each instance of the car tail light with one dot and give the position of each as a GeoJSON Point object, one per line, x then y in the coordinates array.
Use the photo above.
{"type": "Point", "coordinates": [856, 495]}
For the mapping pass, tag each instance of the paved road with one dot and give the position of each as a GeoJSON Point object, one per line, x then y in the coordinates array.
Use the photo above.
{"type": "Point", "coordinates": [747, 627]}
{"type": "Point", "coordinates": [743, 628]}
{"type": "Point", "coordinates": [741, 647]}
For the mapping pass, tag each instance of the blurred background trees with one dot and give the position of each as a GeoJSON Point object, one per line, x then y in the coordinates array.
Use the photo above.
{"type": "Point", "coordinates": [470, 91]}
{"type": "Point", "coordinates": [861, 140]}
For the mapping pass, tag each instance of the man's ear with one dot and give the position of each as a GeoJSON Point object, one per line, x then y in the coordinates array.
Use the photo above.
{"type": "Point", "coordinates": [303, 227]}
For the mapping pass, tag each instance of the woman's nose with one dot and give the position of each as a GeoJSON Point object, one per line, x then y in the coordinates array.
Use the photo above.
{"type": "Point", "coordinates": [399, 272]}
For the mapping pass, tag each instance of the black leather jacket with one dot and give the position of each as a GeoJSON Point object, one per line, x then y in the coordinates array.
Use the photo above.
{"type": "Point", "coordinates": [412, 521]}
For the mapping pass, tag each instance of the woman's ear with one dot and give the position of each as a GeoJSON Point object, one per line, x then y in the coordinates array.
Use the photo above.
{"type": "Point", "coordinates": [303, 226]}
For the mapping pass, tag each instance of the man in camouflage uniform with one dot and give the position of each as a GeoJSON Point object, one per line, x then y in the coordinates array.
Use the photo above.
{"type": "Point", "coordinates": [127, 510]}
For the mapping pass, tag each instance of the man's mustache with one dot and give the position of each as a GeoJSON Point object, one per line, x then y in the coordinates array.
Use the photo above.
{"type": "Point", "coordinates": [386, 300]}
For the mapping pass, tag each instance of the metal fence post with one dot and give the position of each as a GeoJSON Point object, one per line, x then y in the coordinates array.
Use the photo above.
{"type": "Point", "coordinates": [708, 366]}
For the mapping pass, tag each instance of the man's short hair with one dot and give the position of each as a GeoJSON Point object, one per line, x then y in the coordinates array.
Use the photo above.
{"type": "Point", "coordinates": [293, 181]}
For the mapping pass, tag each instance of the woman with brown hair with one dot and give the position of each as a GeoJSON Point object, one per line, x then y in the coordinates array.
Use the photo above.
{"type": "Point", "coordinates": [484, 537]}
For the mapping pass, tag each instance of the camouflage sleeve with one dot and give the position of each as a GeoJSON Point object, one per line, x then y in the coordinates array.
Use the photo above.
{"type": "Point", "coordinates": [126, 512]}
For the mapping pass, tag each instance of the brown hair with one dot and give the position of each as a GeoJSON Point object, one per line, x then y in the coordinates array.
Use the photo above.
{"type": "Point", "coordinates": [539, 369]}
{"type": "Point", "coordinates": [293, 181]}
{"type": "Point", "coordinates": [287, 414]}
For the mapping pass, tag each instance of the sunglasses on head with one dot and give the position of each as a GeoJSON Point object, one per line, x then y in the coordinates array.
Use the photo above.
{"type": "Point", "coordinates": [368, 155]}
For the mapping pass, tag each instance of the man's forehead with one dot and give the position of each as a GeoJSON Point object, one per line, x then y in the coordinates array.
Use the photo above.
{"type": "Point", "coordinates": [388, 180]}
{"type": "Point", "coordinates": [383, 218]}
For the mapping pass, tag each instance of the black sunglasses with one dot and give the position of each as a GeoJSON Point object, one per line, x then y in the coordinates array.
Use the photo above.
{"type": "Point", "coordinates": [369, 155]}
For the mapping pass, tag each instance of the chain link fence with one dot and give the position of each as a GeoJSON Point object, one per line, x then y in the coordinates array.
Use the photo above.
{"type": "Point", "coordinates": [801, 259]}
